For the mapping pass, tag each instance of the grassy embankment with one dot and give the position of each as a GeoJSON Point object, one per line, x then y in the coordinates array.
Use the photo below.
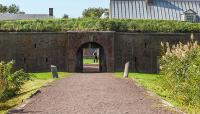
{"type": "Point", "coordinates": [93, 24]}
{"type": "Point", "coordinates": [39, 80]}
{"type": "Point", "coordinates": [152, 83]}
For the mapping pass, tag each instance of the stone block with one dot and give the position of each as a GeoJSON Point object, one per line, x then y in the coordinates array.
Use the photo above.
{"type": "Point", "coordinates": [126, 70]}
{"type": "Point", "coordinates": [54, 71]}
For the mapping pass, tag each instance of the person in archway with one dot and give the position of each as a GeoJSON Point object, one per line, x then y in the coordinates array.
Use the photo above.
{"type": "Point", "coordinates": [95, 56]}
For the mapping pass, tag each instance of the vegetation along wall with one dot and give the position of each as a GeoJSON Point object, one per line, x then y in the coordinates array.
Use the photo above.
{"type": "Point", "coordinates": [36, 51]}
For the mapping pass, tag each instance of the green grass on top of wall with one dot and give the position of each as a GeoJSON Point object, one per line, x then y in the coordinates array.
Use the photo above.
{"type": "Point", "coordinates": [94, 24]}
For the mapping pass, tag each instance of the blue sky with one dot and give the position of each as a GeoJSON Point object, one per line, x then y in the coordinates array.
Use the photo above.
{"type": "Point", "coordinates": [73, 8]}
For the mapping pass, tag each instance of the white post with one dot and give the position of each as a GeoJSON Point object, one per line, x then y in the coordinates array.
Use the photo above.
{"type": "Point", "coordinates": [126, 70]}
{"type": "Point", "coordinates": [192, 37]}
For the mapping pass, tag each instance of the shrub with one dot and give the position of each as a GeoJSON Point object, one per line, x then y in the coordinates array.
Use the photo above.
{"type": "Point", "coordinates": [95, 24]}
{"type": "Point", "coordinates": [180, 65]}
{"type": "Point", "coordinates": [11, 81]}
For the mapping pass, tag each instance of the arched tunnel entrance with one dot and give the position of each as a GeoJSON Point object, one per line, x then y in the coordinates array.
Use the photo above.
{"type": "Point", "coordinates": [94, 65]}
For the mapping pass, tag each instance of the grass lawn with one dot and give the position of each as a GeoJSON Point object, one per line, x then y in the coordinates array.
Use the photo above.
{"type": "Point", "coordinates": [89, 61]}
{"type": "Point", "coordinates": [39, 80]}
{"type": "Point", "coordinates": [152, 82]}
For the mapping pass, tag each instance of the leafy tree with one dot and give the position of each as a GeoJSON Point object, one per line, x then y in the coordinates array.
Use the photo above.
{"type": "Point", "coordinates": [65, 16]}
{"type": "Point", "coordinates": [13, 9]}
{"type": "Point", "coordinates": [3, 9]}
{"type": "Point", "coordinates": [93, 12]}
{"type": "Point", "coordinates": [9, 9]}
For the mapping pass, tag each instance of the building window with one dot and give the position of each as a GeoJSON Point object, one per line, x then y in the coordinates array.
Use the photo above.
{"type": "Point", "coordinates": [35, 45]}
{"type": "Point", "coordinates": [135, 59]}
{"type": "Point", "coordinates": [190, 16]}
{"type": "Point", "coordinates": [24, 60]}
{"type": "Point", "coordinates": [145, 45]}
{"type": "Point", "coordinates": [46, 60]}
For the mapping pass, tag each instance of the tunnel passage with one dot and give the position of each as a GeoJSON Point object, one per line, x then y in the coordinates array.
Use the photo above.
{"type": "Point", "coordinates": [91, 68]}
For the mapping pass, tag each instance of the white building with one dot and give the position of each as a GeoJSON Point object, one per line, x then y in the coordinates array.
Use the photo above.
{"type": "Point", "coordinates": [183, 10]}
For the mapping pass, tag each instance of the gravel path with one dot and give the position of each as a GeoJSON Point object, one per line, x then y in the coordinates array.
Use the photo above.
{"type": "Point", "coordinates": [90, 93]}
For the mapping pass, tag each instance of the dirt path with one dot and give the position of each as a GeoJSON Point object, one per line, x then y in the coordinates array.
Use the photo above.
{"type": "Point", "coordinates": [93, 94]}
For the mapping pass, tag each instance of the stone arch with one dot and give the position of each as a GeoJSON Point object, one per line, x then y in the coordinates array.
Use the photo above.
{"type": "Point", "coordinates": [77, 39]}
{"type": "Point", "coordinates": [102, 56]}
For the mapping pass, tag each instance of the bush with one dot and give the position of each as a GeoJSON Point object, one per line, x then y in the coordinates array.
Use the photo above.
{"type": "Point", "coordinates": [11, 81]}
{"type": "Point", "coordinates": [94, 12]}
{"type": "Point", "coordinates": [95, 24]}
{"type": "Point", "coordinates": [180, 65]}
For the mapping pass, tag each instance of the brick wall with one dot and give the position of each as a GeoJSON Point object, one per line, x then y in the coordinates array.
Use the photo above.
{"type": "Point", "coordinates": [35, 52]}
